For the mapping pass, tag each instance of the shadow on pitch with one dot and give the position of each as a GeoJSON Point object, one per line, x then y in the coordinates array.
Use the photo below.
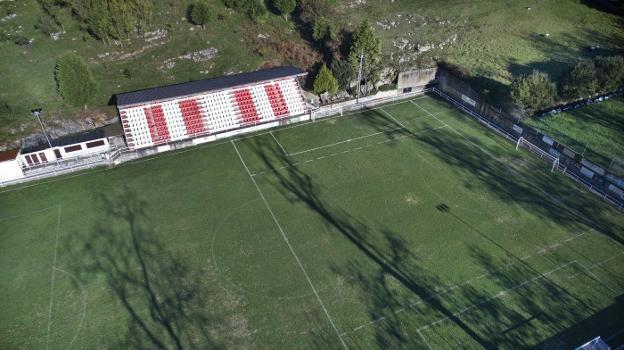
{"type": "Point", "coordinates": [390, 277]}
{"type": "Point", "coordinates": [165, 305]}
{"type": "Point", "coordinates": [387, 259]}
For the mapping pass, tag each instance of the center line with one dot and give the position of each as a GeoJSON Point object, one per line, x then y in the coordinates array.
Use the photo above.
{"type": "Point", "coordinates": [58, 226]}
{"type": "Point", "coordinates": [292, 251]}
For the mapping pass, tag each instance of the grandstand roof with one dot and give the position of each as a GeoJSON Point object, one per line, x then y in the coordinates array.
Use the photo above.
{"type": "Point", "coordinates": [8, 155]}
{"type": "Point", "coordinates": [206, 85]}
{"type": "Point", "coordinates": [41, 144]}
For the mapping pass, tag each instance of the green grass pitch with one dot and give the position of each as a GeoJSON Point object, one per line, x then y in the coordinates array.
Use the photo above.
{"type": "Point", "coordinates": [404, 226]}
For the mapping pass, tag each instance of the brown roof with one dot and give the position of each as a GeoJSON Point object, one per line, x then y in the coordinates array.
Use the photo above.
{"type": "Point", "coordinates": [8, 155]}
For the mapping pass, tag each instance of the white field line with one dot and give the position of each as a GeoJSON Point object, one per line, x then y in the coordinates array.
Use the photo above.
{"type": "Point", "coordinates": [431, 114]}
{"type": "Point", "coordinates": [84, 303]}
{"type": "Point", "coordinates": [279, 144]}
{"type": "Point", "coordinates": [393, 118]}
{"type": "Point", "coordinates": [597, 264]}
{"type": "Point", "coordinates": [52, 278]}
{"type": "Point", "coordinates": [424, 339]}
{"type": "Point", "coordinates": [439, 293]}
{"type": "Point", "coordinates": [588, 271]}
{"type": "Point", "coordinates": [502, 293]}
{"type": "Point", "coordinates": [6, 218]}
{"type": "Point", "coordinates": [345, 151]}
{"type": "Point", "coordinates": [292, 251]}
{"type": "Point", "coordinates": [344, 141]}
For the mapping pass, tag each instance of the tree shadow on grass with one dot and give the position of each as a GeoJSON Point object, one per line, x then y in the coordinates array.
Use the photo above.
{"type": "Point", "coordinates": [389, 263]}
{"type": "Point", "coordinates": [525, 182]}
{"type": "Point", "coordinates": [165, 303]}
{"type": "Point", "coordinates": [297, 186]}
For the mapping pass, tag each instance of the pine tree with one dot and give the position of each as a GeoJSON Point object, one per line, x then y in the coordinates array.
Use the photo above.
{"type": "Point", "coordinates": [365, 41]}
{"type": "Point", "coordinates": [285, 7]}
{"type": "Point", "coordinates": [74, 80]}
{"type": "Point", "coordinates": [325, 82]}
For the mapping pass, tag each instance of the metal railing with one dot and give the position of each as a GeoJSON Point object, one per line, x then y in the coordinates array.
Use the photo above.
{"type": "Point", "coordinates": [617, 202]}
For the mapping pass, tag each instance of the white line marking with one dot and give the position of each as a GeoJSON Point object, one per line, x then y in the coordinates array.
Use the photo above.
{"type": "Point", "coordinates": [344, 141]}
{"type": "Point", "coordinates": [58, 227]}
{"type": "Point", "coordinates": [292, 251]}
{"type": "Point", "coordinates": [393, 118]}
{"type": "Point", "coordinates": [27, 213]}
{"type": "Point", "coordinates": [440, 292]}
{"type": "Point", "coordinates": [498, 295]}
{"type": "Point", "coordinates": [425, 340]}
{"type": "Point", "coordinates": [598, 279]}
{"type": "Point", "coordinates": [279, 144]}
{"type": "Point", "coordinates": [84, 303]}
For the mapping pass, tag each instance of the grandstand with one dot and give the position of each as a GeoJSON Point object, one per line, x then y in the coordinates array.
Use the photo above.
{"type": "Point", "coordinates": [162, 115]}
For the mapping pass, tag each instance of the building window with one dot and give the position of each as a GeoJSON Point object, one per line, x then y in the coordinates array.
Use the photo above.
{"type": "Point", "coordinates": [72, 148]}
{"type": "Point", "coordinates": [97, 143]}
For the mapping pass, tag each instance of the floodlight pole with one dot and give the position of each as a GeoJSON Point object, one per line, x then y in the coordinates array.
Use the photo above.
{"type": "Point", "coordinates": [357, 99]}
{"type": "Point", "coordinates": [37, 113]}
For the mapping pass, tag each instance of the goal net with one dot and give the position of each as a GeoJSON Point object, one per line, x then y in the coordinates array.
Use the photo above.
{"type": "Point", "coordinates": [522, 142]}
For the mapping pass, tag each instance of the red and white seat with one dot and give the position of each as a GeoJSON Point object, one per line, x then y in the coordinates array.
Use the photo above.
{"type": "Point", "coordinates": [207, 113]}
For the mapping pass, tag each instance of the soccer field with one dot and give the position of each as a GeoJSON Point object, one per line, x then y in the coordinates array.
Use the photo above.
{"type": "Point", "coordinates": [404, 226]}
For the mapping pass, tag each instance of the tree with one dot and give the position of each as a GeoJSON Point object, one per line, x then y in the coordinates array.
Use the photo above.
{"type": "Point", "coordinates": [365, 41]}
{"type": "Point", "coordinates": [311, 10]}
{"type": "Point", "coordinates": [533, 91]}
{"type": "Point", "coordinates": [580, 81]}
{"type": "Point", "coordinates": [200, 13]}
{"type": "Point", "coordinates": [74, 80]}
{"type": "Point", "coordinates": [344, 73]}
{"type": "Point", "coordinates": [321, 30]}
{"type": "Point", "coordinates": [253, 8]}
{"type": "Point", "coordinates": [285, 7]}
{"type": "Point", "coordinates": [325, 82]}
{"type": "Point", "coordinates": [112, 19]}
{"type": "Point", "coordinates": [610, 72]}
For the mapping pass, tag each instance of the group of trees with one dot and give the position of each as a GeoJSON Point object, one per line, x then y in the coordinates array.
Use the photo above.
{"type": "Point", "coordinates": [104, 19]}
{"type": "Point", "coordinates": [366, 47]}
{"type": "Point", "coordinates": [536, 91]}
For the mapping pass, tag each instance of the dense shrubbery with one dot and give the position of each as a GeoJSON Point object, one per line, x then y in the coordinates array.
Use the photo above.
{"type": "Point", "coordinates": [199, 13]}
{"type": "Point", "coordinates": [534, 91]}
{"type": "Point", "coordinates": [253, 8]}
{"type": "Point", "coordinates": [584, 79]}
{"type": "Point", "coordinates": [104, 19]}
{"type": "Point", "coordinates": [74, 80]}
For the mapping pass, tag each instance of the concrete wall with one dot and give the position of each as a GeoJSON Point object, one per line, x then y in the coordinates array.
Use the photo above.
{"type": "Point", "coordinates": [10, 170]}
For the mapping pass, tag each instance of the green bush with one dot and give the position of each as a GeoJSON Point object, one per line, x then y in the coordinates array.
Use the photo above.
{"type": "Point", "coordinates": [200, 13]}
{"type": "Point", "coordinates": [74, 80]}
{"type": "Point", "coordinates": [533, 91]}
{"type": "Point", "coordinates": [580, 81]}
{"type": "Point", "coordinates": [610, 72]}
{"type": "Point", "coordinates": [387, 87]}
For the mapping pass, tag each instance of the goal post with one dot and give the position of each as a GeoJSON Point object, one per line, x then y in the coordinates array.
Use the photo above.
{"type": "Point", "coordinates": [522, 142]}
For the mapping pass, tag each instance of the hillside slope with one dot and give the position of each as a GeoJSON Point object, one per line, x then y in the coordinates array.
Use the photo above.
{"type": "Point", "coordinates": [493, 39]}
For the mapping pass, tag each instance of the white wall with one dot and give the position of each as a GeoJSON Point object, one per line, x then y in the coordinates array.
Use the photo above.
{"type": "Point", "coordinates": [10, 170]}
